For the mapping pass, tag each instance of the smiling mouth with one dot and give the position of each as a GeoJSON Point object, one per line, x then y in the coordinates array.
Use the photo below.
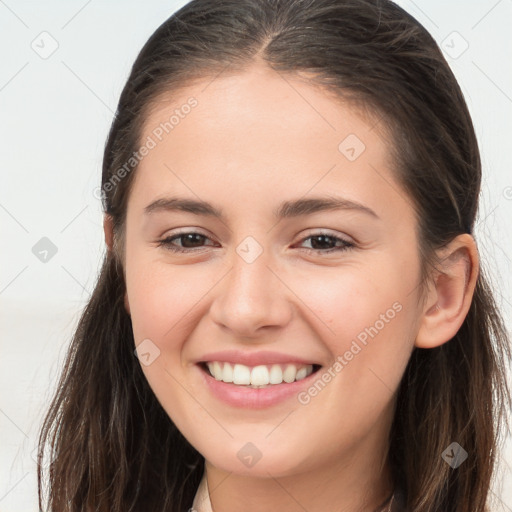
{"type": "Point", "coordinates": [261, 376]}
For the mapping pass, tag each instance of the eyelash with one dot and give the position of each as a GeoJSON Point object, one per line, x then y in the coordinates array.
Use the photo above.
{"type": "Point", "coordinates": [168, 245]}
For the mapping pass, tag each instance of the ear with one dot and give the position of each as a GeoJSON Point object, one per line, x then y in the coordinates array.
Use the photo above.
{"type": "Point", "coordinates": [450, 293]}
{"type": "Point", "coordinates": [108, 230]}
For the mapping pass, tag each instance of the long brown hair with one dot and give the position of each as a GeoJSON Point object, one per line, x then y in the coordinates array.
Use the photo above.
{"type": "Point", "coordinates": [112, 446]}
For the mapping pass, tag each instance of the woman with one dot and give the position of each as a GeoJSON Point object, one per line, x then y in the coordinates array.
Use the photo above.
{"type": "Point", "coordinates": [291, 313]}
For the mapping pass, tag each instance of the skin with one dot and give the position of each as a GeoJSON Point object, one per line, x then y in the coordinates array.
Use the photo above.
{"type": "Point", "coordinates": [254, 140]}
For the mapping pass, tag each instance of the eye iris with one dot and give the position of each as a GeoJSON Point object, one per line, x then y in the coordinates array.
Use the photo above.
{"type": "Point", "coordinates": [327, 242]}
{"type": "Point", "coordinates": [191, 237]}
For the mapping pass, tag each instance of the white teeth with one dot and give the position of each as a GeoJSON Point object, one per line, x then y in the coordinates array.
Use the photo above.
{"type": "Point", "coordinates": [241, 374]}
{"type": "Point", "coordinates": [276, 374]}
{"type": "Point", "coordinates": [258, 376]}
{"type": "Point", "coordinates": [227, 373]}
{"type": "Point", "coordinates": [289, 373]}
{"type": "Point", "coordinates": [217, 370]}
{"type": "Point", "coordinates": [301, 373]}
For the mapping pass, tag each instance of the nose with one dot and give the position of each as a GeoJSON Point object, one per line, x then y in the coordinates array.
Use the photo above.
{"type": "Point", "coordinates": [252, 299]}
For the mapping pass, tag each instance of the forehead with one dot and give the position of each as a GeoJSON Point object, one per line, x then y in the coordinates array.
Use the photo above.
{"type": "Point", "coordinates": [261, 129]}
{"type": "Point", "coordinates": [264, 99]}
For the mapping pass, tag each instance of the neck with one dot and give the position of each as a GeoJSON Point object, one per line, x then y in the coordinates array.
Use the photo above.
{"type": "Point", "coordinates": [351, 482]}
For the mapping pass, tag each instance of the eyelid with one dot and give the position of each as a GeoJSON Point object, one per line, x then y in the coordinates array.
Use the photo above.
{"type": "Point", "coordinates": [186, 231]}
{"type": "Point", "coordinates": [328, 232]}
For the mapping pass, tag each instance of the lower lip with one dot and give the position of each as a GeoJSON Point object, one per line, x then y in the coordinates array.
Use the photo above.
{"type": "Point", "coordinates": [254, 398]}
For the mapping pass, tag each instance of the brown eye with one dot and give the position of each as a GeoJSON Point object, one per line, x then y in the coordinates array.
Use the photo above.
{"type": "Point", "coordinates": [325, 243]}
{"type": "Point", "coordinates": [190, 241]}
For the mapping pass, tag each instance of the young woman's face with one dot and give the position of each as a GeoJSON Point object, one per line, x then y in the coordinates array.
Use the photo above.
{"type": "Point", "coordinates": [277, 283]}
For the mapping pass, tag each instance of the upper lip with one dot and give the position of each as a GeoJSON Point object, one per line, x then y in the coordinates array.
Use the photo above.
{"type": "Point", "coordinates": [253, 358]}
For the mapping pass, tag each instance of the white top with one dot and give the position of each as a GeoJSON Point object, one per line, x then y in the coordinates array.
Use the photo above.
{"type": "Point", "coordinates": [202, 501]}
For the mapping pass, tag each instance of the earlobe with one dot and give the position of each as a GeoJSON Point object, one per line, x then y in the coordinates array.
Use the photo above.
{"type": "Point", "coordinates": [108, 229]}
{"type": "Point", "coordinates": [450, 295]}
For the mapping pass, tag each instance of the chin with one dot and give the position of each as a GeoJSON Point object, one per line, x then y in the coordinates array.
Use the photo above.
{"type": "Point", "coordinates": [261, 460]}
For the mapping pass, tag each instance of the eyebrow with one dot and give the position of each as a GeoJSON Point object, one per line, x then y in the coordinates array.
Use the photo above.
{"type": "Point", "coordinates": [287, 209]}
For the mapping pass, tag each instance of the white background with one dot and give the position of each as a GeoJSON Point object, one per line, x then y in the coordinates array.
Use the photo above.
{"type": "Point", "coordinates": [55, 116]}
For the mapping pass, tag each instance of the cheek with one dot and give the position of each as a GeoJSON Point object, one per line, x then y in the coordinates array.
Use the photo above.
{"type": "Point", "coordinates": [352, 300]}
{"type": "Point", "coordinates": [370, 317]}
{"type": "Point", "coordinates": [162, 299]}
{"type": "Point", "coordinates": [164, 304]}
